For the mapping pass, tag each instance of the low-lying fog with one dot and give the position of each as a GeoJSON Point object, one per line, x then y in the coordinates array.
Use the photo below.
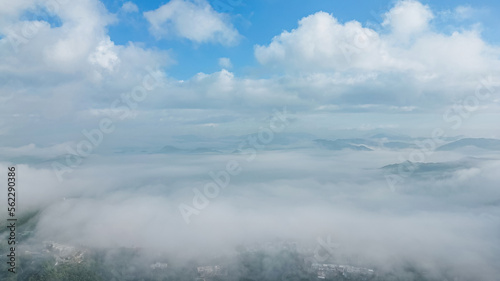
{"type": "Point", "coordinates": [445, 218]}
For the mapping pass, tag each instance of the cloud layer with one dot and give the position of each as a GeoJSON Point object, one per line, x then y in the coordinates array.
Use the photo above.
{"type": "Point", "coordinates": [440, 225]}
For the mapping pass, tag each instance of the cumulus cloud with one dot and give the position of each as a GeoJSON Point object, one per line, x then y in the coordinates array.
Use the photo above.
{"type": "Point", "coordinates": [408, 18]}
{"type": "Point", "coordinates": [321, 43]}
{"type": "Point", "coordinates": [74, 48]}
{"type": "Point", "coordinates": [194, 20]}
{"type": "Point", "coordinates": [440, 66]}
{"type": "Point", "coordinates": [104, 55]}
{"type": "Point", "coordinates": [55, 71]}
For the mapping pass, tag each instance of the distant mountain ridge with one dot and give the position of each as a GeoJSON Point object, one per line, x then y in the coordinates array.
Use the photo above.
{"type": "Point", "coordinates": [483, 143]}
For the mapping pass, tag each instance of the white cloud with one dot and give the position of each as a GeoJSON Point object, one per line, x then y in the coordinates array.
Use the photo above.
{"type": "Point", "coordinates": [104, 55]}
{"type": "Point", "coordinates": [84, 26]}
{"type": "Point", "coordinates": [194, 20]}
{"type": "Point", "coordinates": [225, 63]}
{"type": "Point", "coordinates": [129, 7]}
{"type": "Point", "coordinates": [321, 43]}
{"type": "Point", "coordinates": [406, 62]}
{"type": "Point", "coordinates": [408, 17]}
{"type": "Point", "coordinates": [56, 72]}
